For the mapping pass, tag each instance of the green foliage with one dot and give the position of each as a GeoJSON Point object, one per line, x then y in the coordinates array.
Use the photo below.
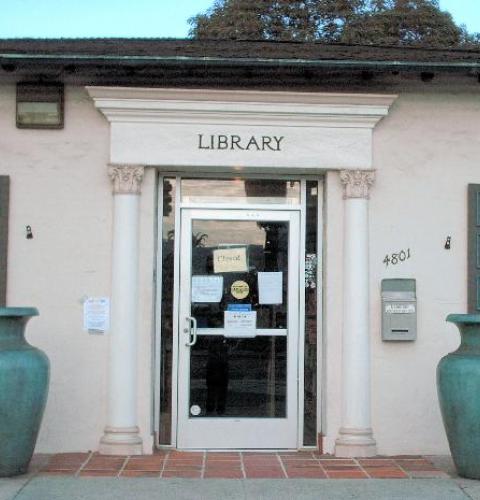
{"type": "Point", "coordinates": [379, 22]}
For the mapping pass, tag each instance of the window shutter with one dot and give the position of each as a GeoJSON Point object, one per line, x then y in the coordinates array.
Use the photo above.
{"type": "Point", "coordinates": [474, 248]}
{"type": "Point", "coordinates": [4, 201]}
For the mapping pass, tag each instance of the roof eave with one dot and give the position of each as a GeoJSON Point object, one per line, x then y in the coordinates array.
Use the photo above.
{"type": "Point", "coordinates": [89, 60]}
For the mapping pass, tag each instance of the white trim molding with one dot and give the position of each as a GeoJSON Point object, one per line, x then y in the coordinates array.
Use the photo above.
{"type": "Point", "coordinates": [226, 107]}
{"type": "Point", "coordinates": [238, 130]}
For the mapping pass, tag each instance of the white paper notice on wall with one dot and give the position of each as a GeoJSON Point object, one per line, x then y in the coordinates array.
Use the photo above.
{"type": "Point", "coordinates": [96, 314]}
{"type": "Point", "coordinates": [207, 288]}
{"type": "Point", "coordinates": [270, 288]}
{"type": "Point", "coordinates": [230, 260]}
{"type": "Point", "coordinates": [240, 323]}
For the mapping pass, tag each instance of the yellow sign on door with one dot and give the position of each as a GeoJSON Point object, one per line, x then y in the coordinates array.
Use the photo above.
{"type": "Point", "coordinates": [240, 289]}
{"type": "Point", "coordinates": [230, 260]}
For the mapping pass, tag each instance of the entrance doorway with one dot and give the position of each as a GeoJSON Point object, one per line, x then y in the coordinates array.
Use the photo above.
{"type": "Point", "coordinates": [239, 309]}
{"type": "Point", "coordinates": [238, 324]}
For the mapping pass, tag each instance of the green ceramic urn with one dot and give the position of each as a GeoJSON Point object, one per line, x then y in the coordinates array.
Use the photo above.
{"type": "Point", "coordinates": [24, 377]}
{"type": "Point", "coordinates": [458, 385]}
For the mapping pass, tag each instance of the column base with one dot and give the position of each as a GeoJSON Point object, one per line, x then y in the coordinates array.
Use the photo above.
{"type": "Point", "coordinates": [355, 443]}
{"type": "Point", "coordinates": [121, 441]}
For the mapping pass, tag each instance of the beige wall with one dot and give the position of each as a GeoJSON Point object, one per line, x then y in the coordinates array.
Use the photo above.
{"type": "Point", "coordinates": [426, 152]}
{"type": "Point", "coordinates": [59, 188]}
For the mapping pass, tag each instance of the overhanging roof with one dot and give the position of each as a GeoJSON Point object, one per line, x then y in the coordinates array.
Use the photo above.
{"type": "Point", "coordinates": [101, 59]}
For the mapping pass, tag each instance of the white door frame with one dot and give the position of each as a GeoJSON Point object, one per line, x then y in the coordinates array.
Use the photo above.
{"type": "Point", "coordinates": [239, 433]}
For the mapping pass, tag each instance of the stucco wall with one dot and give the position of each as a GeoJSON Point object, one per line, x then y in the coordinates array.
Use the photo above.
{"type": "Point", "coordinates": [425, 152]}
{"type": "Point", "coordinates": [59, 187]}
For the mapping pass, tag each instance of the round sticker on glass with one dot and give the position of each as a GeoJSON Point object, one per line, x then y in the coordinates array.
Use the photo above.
{"type": "Point", "coordinates": [240, 289]}
{"type": "Point", "coordinates": [195, 410]}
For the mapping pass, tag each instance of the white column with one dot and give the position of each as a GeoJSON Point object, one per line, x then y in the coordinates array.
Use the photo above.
{"type": "Point", "coordinates": [355, 438]}
{"type": "Point", "coordinates": [121, 436]}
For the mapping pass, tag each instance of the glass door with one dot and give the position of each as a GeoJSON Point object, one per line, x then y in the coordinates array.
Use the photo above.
{"type": "Point", "coordinates": [238, 329]}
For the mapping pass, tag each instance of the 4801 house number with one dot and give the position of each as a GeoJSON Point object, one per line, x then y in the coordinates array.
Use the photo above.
{"type": "Point", "coordinates": [397, 258]}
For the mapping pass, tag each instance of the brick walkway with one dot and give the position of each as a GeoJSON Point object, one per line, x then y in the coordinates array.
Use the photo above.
{"type": "Point", "coordinates": [170, 464]}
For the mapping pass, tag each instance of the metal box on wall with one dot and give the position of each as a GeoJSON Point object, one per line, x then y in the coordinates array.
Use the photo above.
{"type": "Point", "coordinates": [399, 310]}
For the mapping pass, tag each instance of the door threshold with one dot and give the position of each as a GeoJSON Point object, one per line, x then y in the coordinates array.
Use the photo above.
{"type": "Point", "coordinates": [239, 450]}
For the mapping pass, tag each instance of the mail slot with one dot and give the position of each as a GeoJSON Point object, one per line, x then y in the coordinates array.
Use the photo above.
{"type": "Point", "coordinates": [399, 309]}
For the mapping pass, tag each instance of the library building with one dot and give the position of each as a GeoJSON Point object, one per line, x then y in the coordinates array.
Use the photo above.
{"type": "Point", "coordinates": [240, 246]}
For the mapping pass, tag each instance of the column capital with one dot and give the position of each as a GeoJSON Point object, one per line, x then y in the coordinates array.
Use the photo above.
{"type": "Point", "coordinates": [126, 179]}
{"type": "Point", "coordinates": [356, 183]}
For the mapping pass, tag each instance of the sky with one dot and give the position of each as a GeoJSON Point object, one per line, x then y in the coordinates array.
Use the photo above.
{"type": "Point", "coordinates": [137, 18]}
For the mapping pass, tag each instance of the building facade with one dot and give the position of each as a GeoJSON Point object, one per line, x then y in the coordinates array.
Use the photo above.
{"type": "Point", "coordinates": [280, 238]}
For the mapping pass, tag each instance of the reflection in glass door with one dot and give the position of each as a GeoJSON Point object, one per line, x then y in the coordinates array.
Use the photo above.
{"type": "Point", "coordinates": [238, 327]}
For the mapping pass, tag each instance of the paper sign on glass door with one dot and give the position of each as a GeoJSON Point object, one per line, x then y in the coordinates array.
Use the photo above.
{"type": "Point", "coordinates": [270, 288]}
{"type": "Point", "coordinates": [207, 288]}
{"type": "Point", "coordinates": [230, 260]}
{"type": "Point", "coordinates": [240, 323]}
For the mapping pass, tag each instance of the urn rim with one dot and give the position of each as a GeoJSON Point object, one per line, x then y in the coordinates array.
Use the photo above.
{"type": "Point", "coordinates": [464, 318]}
{"type": "Point", "coordinates": [18, 311]}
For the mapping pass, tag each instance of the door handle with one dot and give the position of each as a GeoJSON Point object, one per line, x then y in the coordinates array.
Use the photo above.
{"type": "Point", "coordinates": [192, 331]}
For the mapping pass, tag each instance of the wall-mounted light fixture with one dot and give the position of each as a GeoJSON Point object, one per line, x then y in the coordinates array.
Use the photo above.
{"type": "Point", "coordinates": [40, 105]}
